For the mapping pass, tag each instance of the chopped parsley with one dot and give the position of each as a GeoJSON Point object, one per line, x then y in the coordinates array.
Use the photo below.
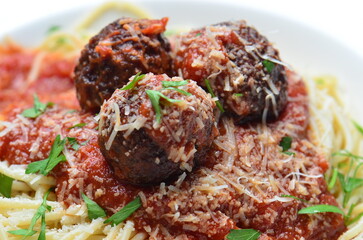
{"type": "Point", "coordinates": [173, 85]}
{"type": "Point", "coordinates": [125, 212]}
{"type": "Point", "coordinates": [79, 125]}
{"type": "Point", "coordinates": [243, 234]}
{"type": "Point", "coordinates": [134, 81]}
{"type": "Point", "coordinates": [6, 185]}
{"type": "Point", "coordinates": [154, 97]}
{"type": "Point", "coordinates": [40, 213]}
{"type": "Point", "coordinates": [321, 209]}
{"type": "Point", "coordinates": [268, 65]}
{"type": "Point", "coordinates": [285, 143]}
{"type": "Point", "coordinates": [166, 84]}
{"type": "Point", "coordinates": [237, 95]}
{"type": "Point", "coordinates": [178, 90]}
{"type": "Point", "coordinates": [38, 108]}
{"type": "Point", "coordinates": [55, 157]}
{"type": "Point", "coordinates": [350, 182]}
{"type": "Point", "coordinates": [210, 90]}
{"type": "Point", "coordinates": [358, 127]}
{"type": "Point", "coordinates": [94, 210]}
{"type": "Point", "coordinates": [73, 142]}
{"type": "Point", "coordinates": [333, 179]}
{"type": "Point", "coordinates": [53, 29]}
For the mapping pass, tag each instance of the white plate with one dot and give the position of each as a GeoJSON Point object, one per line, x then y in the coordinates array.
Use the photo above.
{"type": "Point", "coordinates": [308, 51]}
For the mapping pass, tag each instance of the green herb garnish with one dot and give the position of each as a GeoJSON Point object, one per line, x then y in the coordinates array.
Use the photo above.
{"type": "Point", "coordinates": [243, 234]}
{"type": "Point", "coordinates": [321, 209]}
{"type": "Point", "coordinates": [94, 210]}
{"type": "Point", "coordinates": [40, 213]}
{"type": "Point", "coordinates": [79, 125]}
{"type": "Point", "coordinates": [55, 157]}
{"type": "Point", "coordinates": [155, 101]}
{"type": "Point", "coordinates": [166, 84]}
{"type": "Point", "coordinates": [173, 85]}
{"type": "Point", "coordinates": [53, 29]}
{"type": "Point", "coordinates": [71, 111]}
{"type": "Point", "coordinates": [178, 90]}
{"type": "Point", "coordinates": [198, 34]}
{"type": "Point", "coordinates": [134, 81]}
{"type": "Point", "coordinates": [38, 108]}
{"type": "Point", "coordinates": [358, 127]}
{"type": "Point", "coordinates": [349, 184]}
{"type": "Point", "coordinates": [285, 143]}
{"type": "Point", "coordinates": [210, 90]}
{"type": "Point", "coordinates": [268, 65]}
{"type": "Point", "coordinates": [125, 212]}
{"type": "Point", "coordinates": [333, 179]}
{"type": "Point", "coordinates": [296, 198]}
{"type": "Point", "coordinates": [345, 153]}
{"type": "Point", "coordinates": [6, 185]}
{"type": "Point", "coordinates": [289, 153]}
{"type": "Point", "coordinates": [73, 142]}
{"type": "Point", "coordinates": [237, 95]}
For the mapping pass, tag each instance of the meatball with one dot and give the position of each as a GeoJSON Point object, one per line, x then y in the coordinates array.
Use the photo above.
{"type": "Point", "coordinates": [154, 129]}
{"type": "Point", "coordinates": [240, 65]}
{"type": "Point", "coordinates": [122, 49]}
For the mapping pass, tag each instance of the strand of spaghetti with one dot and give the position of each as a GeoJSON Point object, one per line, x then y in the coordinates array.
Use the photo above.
{"type": "Point", "coordinates": [103, 9]}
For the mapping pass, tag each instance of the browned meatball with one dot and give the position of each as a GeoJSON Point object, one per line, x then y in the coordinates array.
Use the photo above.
{"type": "Point", "coordinates": [153, 131]}
{"type": "Point", "coordinates": [242, 67]}
{"type": "Point", "coordinates": [122, 49]}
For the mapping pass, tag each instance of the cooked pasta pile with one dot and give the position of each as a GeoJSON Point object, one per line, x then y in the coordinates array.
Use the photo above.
{"type": "Point", "coordinates": [331, 128]}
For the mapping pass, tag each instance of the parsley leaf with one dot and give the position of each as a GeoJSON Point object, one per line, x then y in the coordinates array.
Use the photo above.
{"type": "Point", "coordinates": [73, 142]}
{"type": "Point", "coordinates": [155, 102]}
{"type": "Point", "coordinates": [55, 157]}
{"type": "Point", "coordinates": [40, 213]}
{"type": "Point", "coordinates": [268, 65]}
{"type": "Point", "coordinates": [94, 210]}
{"type": "Point", "coordinates": [79, 125]}
{"type": "Point", "coordinates": [166, 84]}
{"type": "Point", "coordinates": [6, 185]}
{"type": "Point", "coordinates": [237, 95]}
{"type": "Point", "coordinates": [37, 110]}
{"type": "Point", "coordinates": [285, 143]}
{"type": "Point", "coordinates": [210, 90]}
{"type": "Point", "coordinates": [358, 127]}
{"type": "Point", "coordinates": [53, 29]}
{"type": "Point", "coordinates": [243, 234]}
{"type": "Point", "coordinates": [289, 153]}
{"type": "Point", "coordinates": [134, 81]}
{"type": "Point", "coordinates": [178, 90]}
{"type": "Point", "coordinates": [321, 209]}
{"type": "Point", "coordinates": [125, 212]}
{"type": "Point", "coordinates": [345, 153]}
{"type": "Point", "coordinates": [349, 184]}
{"type": "Point", "coordinates": [333, 179]}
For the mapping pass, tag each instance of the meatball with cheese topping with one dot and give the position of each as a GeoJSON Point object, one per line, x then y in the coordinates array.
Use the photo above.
{"type": "Point", "coordinates": [240, 66]}
{"type": "Point", "coordinates": [156, 127]}
{"type": "Point", "coordinates": [122, 49]}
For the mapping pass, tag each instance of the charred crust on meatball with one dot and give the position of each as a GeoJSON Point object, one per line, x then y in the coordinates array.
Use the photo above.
{"type": "Point", "coordinates": [121, 49]}
{"type": "Point", "coordinates": [143, 151]}
{"type": "Point", "coordinates": [231, 55]}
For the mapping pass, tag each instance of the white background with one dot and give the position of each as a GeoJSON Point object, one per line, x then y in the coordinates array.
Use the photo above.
{"type": "Point", "coordinates": [341, 19]}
